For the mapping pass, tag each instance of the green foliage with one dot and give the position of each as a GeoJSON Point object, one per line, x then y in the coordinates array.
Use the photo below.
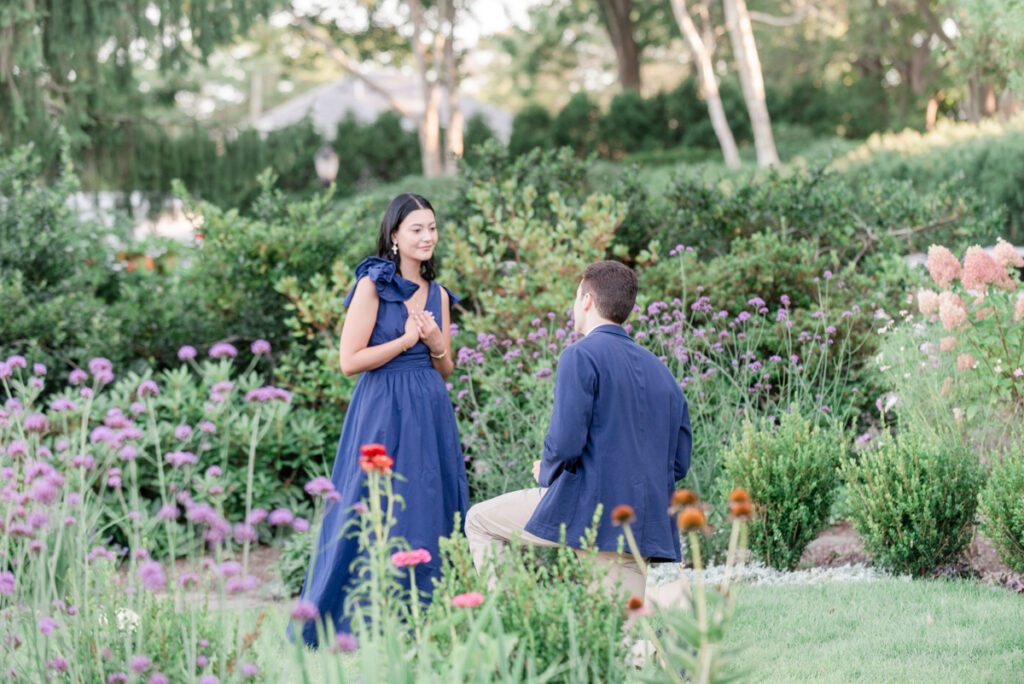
{"type": "Point", "coordinates": [379, 151]}
{"type": "Point", "coordinates": [549, 603]}
{"type": "Point", "coordinates": [914, 498]}
{"type": "Point", "coordinates": [504, 243]}
{"type": "Point", "coordinates": [475, 133]}
{"type": "Point", "coordinates": [244, 258]}
{"type": "Point", "coordinates": [293, 562]}
{"type": "Point", "coordinates": [790, 470]}
{"type": "Point", "coordinates": [984, 162]}
{"type": "Point", "coordinates": [576, 125]}
{"type": "Point", "coordinates": [629, 125]}
{"type": "Point", "coordinates": [1002, 508]}
{"type": "Point", "coordinates": [531, 128]}
{"type": "Point", "coordinates": [52, 267]}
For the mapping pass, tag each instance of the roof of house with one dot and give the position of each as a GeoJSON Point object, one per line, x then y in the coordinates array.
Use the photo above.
{"type": "Point", "coordinates": [327, 104]}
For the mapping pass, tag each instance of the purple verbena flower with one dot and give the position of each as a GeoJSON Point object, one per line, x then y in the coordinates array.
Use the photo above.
{"type": "Point", "coordinates": [147, 387]}
{"type": "Point", "coordinates": [141, 663]}
{"type": "Point", "coordinates": [38, 369]}
{"type": "Point", "coordinates": [182, 432]}
{"type": "Point", "coordinates": [223, 349]}
{"type": "Point", "coordinates": [78, 376]}
{"type": "Point", "coordinates": [305, 611]}
{"type": "Point", "coordinates": [260, 347]}
{"type": "Point", "coordinates": [281, 516]}
{"type": "Point", "coordinates": [186, 352]}
{"type": "Point", "coordinates": [152, 575]}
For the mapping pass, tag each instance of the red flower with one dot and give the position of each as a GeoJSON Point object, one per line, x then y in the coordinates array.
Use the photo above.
{"type": "Point", "coordinates": [373, 457]}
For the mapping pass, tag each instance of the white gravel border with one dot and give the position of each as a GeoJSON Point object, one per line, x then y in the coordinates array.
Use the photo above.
{"type": "Point", "coordinates": [758, 573]}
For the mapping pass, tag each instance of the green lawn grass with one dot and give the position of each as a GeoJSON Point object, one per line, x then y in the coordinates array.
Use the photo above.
{"type": "Point", "coordinates": [891, 631]}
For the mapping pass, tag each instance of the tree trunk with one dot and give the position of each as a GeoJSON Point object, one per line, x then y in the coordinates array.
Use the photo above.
{"type": "Point", "coordinates": [430, 123]}
{"type": "Point", "coordinates": [709, 84]}
{"type": "Point", "coordinates": [451, 73]}
{"type": "Point", "coordinates": [619, 23]}
{"type": "Point", "coordinates": [737, 17]}
{"type": "Point", "coordinates": [931, 113]}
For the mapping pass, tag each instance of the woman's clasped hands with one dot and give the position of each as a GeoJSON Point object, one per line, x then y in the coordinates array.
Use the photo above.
{"type": "Point", "coordinates": [422, 326]}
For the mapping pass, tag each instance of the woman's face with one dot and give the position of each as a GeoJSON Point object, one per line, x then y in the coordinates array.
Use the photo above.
{"type": "Point", "coordinates": [416, 236]}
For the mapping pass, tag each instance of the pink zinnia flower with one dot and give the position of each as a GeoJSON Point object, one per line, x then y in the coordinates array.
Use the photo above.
{"type": "Point", "coordinates": [927, 302]}
{"type": "Point", "coordinates": [468, 600]}
{"type": "Point", "coordinates": [1006, 254]}
{"type": "Point", "coordinates": [402, 559]}
{"type": "Point", "coordinates": [943, 266]}
{"type": "Point", "coordinates": [305, 611]}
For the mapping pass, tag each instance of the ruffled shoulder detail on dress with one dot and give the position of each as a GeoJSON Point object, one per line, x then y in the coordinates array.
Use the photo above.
{"type": "Point", "coordinates": [452, 297]}
{"type": "Point", "coordinates": [390, 286]}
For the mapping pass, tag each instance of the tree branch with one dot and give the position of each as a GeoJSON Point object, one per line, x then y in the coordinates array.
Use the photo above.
{"type": "Point", "coordinates": [772, 20]}
{"type": "Point", "coordinates": [934, 24]}
{"type": "Point", "coordinates": [346, 62]}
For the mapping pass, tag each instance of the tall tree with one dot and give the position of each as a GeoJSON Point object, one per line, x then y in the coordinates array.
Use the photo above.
{"type": "Point", "coordinates": [748, 64]}
{"type": "Point", "coordinates": [74, 62]}
{"type": "Point", "coordinates": [617, 17]}
{"type": "Point", "coordinates": [702, 47]}
{"type": "Point", "coordinates": [431, 57]}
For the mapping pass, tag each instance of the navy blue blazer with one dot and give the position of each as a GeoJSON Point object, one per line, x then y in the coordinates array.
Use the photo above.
{"type": "Point", "coordinates": [619, 434]}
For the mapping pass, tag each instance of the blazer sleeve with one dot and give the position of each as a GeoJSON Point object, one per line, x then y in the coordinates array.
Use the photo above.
{"type": "Point", "coordinates": [575, 385]}
{"type": "Point", "coordinates": [684, 444]}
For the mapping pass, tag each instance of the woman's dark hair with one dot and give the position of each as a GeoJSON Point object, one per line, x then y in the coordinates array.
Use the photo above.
{"type": "Point", "coordinates": [400, 207]}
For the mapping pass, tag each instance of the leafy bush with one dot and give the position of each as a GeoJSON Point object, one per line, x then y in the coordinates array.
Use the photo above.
{"type": "Point", "coordinates": [52, 267]}
{"type": "Point", "coordinates": [630, 124]}
{"type": "Point", "coordinates": [244, 257]}
{"type": "Point", "coordinates": [1002, 509]}
{"type": "Point", "coordinates": [914, 498]}
{"type": "Point", "coordinates": [791, 470]}
{"type": "Point", "coordinates": [503, 245]}
{"type": "Point", "coordinates": [984, 161]}
{"type": "Point", "coordinates": [531, 128]}
{"type": "Point", "coordinates": [576, 125]}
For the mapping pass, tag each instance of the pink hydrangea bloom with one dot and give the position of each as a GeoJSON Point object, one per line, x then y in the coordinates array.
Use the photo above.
{"type": "Point", "coordinates": [981, 270]}
{"type": "Point", "coordinates": [947, 344]}
{"type": "Point", "coordinates": [1018, 309]}
{"type": "Point", "coordinates": [952, 311]}
{"type": "Point", "coordinates": [928, 302]}
{"type": "Point", "coordinates": [1006, 254]}
{"type": "Point", "coordinates": [943, 266]}
{"type": "Point", "coordinates": [964, 361]}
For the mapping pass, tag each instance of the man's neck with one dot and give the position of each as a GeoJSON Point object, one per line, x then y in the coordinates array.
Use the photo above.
{"type": "Point", "coordinates": [596, 324]}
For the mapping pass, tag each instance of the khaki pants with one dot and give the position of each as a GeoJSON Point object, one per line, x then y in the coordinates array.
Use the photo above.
{"type": "Point", "coordinates": [491, 525]}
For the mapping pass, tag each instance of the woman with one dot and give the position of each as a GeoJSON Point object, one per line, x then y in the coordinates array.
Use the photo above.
{"type": "Point", "coordinates": [397, 335]}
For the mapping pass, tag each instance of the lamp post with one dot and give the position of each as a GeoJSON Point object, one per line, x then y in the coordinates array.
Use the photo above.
{"type": "Point", "coordinates": [326, 163]}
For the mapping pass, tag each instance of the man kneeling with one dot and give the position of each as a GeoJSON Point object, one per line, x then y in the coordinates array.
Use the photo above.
{"type": "Point", "coordinates": [619, 434]}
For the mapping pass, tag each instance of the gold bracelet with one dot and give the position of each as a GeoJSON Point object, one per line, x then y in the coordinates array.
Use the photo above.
{"type": "Point", "coordinates": [439, 356]}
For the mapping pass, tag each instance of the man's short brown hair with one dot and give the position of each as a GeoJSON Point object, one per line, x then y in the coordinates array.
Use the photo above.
{"type": "Point", "coordinates": [613, 286]}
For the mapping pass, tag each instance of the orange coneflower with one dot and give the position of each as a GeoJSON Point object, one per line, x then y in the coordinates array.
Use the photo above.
{"type": "Point", "coordinates": [623, 514]}
{"type": "Point", "coordinates": [692, 519]}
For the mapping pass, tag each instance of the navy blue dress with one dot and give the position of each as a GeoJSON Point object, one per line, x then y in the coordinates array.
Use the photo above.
{"type": "Point", "coordinates": [405, 406]}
